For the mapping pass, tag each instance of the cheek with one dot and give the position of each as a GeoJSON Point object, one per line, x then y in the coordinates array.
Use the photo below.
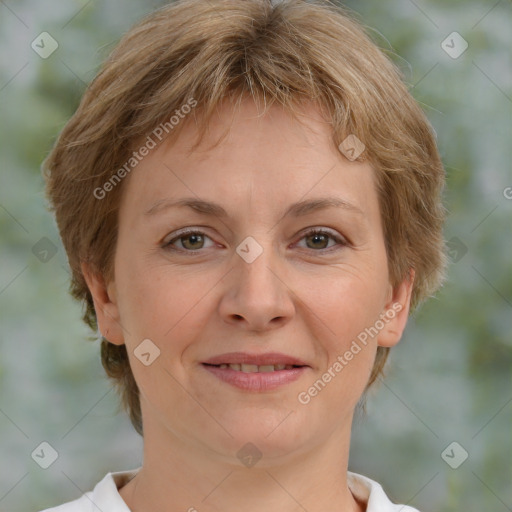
{"type": "Point", "coordinates": [348, 309]}
{"type": "Point", "coordinates": [347, 303]}
{"type": "Point", "coordinates": [158, 301]}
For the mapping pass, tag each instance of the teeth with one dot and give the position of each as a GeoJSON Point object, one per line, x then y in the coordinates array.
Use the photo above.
{"type": "Point", "coordinates": [249, 368]}
{"type": "Point", "coordinates": [253, 368]}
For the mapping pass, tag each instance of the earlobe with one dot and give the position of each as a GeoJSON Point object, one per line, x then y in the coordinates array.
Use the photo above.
{"type": "Point", "coordinates": [105, 305]}
{"type": "Point", "coordinates": [396, 313]}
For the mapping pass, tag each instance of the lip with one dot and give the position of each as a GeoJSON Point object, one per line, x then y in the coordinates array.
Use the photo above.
{"type": "Point", "coordinates": [256, 382]}
{"type": "Point", "coordinates": [257, 359]}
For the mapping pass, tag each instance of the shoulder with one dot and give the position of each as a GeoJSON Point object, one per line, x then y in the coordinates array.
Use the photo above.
{"type": "Point", "coordinates": [370, 492]}
{"type": "Point", "coordinates": [105, 496]}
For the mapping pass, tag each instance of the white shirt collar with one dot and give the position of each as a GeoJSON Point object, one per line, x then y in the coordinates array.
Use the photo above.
{"type": "Point", "coordinates": [370, 492]}
{"type": "Point", "coordinates": [106, 498]}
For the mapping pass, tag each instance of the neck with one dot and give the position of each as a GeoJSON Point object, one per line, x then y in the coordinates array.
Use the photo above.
{"type": "Point", "coordinates": [180, 476]}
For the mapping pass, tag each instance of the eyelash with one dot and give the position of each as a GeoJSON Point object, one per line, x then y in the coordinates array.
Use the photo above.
{"type": "Point", "coordinates": [342, 242]}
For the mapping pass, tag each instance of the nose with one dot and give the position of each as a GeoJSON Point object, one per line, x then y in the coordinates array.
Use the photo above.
{"type": "Point", "coordinates": [258, 295]}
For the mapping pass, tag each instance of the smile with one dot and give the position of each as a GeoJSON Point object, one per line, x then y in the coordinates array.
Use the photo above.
{"type": "Point", "coordinates": [253, 368]}
{"type": "Point", "coordinates": [254, 378]}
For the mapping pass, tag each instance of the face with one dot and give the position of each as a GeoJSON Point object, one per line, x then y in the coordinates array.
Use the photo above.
{"type": "Point", "coordinates": [290, 264]}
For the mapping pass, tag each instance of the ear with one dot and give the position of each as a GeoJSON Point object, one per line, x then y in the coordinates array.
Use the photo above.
{"type": "Point", "coordinates": [396, 313]}
{"type": "Point", "coordinates": [105, 305]}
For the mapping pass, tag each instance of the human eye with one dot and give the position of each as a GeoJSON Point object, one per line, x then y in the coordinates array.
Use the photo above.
{"type": "Point", "coordinates": [318, 240]}
{"type": "Point", "coordinates": [190, 240]}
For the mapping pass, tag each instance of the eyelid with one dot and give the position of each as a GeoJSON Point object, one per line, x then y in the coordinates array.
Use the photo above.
{"type": "Point", "coordinates": [181, 233]}
{"type": "Point", "coordinates": [342, 240]}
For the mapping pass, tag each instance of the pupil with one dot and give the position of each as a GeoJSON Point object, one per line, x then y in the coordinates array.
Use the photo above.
{"type": "Point", "coordinates": [193, 238]}
{"type": "Point", "coordinates": [318, 237]}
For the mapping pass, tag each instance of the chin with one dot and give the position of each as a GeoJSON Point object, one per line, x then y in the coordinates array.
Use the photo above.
{"type": "Point", "coordinates": [270, 435]}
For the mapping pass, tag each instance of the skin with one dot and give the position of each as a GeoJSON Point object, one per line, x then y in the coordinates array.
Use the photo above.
{"type": "Point", "coordinates": [302, 296]}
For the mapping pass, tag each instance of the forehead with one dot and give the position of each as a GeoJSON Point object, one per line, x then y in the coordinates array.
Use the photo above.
{"type": "Point", "coordinates": [249, 156]}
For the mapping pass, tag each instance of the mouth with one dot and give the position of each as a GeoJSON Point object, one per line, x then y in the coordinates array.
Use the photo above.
{"type": "Point", "coordinates": [253, 368]}
{"type": "Point", "coordinates": [269, 361]}
{"type": "Point", "coordinates": [255, 373]}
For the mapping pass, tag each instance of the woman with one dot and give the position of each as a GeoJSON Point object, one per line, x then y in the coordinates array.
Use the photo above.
{"type": "Point", "coordinates": [249, 198]}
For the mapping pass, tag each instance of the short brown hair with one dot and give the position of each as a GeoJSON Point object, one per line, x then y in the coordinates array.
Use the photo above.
{"type": "Point", "coordinates": [284, 52]}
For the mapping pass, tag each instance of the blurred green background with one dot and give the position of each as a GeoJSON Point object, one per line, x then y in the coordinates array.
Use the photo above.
{"type": "Point", "coordinates": [448, 381]}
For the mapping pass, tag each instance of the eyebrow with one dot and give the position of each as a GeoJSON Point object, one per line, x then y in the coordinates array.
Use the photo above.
{"type": "Point", "coordinates": [298, 209]}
